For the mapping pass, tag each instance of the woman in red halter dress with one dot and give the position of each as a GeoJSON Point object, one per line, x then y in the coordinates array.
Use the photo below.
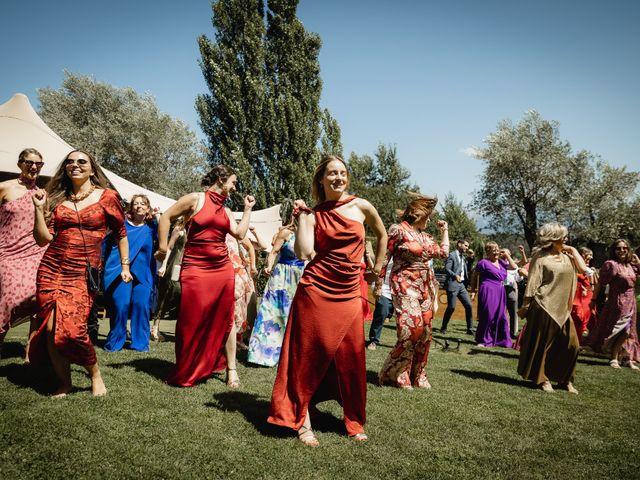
{"type": "Point", "coordinates": [205, 336]}
{"type": "Point", "coordinates": [73, 216]}
{"type": "Point", "coordinates": [323, 353]}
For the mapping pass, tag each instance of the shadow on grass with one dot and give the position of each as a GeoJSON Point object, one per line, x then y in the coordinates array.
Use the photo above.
{"type": "Point", "coordinates": [372, 378]}
{"type": "Point", "coordinates": [492, 377]}
{"type": "Point", "coordinates": [507, 353]}
{"type": "Point", "coordinates": [256, 410]}
{"type": "Point", "coordinates": [13, 350]}
{"type": "Point", "coordinates": [41, 380]}
{"type": "Point", "coordinates": [154, 367]}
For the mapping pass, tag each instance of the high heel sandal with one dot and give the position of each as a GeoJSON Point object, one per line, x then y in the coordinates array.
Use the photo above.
{"type": "Point", "coordinates": [307, 437]}
{"type": "Point", "coordinates": [233, 382]}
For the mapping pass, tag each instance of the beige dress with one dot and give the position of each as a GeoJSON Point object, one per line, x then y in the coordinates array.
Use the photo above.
{"type": "Point", "coordinates": [549, 346]}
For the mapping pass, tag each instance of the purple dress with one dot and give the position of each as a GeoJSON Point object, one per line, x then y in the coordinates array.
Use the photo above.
{"type": "Point", "coordinates": [493, 324]}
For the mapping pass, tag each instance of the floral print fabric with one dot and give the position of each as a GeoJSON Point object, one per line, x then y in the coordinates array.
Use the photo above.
{"type": "Point", "coordinates": [268, 331]}
{"type": "Point", "coordinates": [414, 294]}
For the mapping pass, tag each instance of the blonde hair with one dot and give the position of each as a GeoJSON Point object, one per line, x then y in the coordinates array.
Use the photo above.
{"type": "Point", "coordinates": [550, 233]}
{"type": "Point", "coordinates": [489, 246]}
{"type": "Point", "coordinates": [419, 207]}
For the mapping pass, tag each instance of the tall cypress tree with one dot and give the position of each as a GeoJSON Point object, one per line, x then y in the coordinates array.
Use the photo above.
{"type": "Point", "coordinates": [292, 127]}
{"type": "Point", "coordinates": [231, 114]}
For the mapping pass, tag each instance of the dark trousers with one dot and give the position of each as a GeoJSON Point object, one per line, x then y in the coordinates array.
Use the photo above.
{"type": "Point", "coordinates": [463, 295]}
{"type": "Point", "coordinates": [512, 307]}
{"type": "Point", "coordinates": [383, 310]}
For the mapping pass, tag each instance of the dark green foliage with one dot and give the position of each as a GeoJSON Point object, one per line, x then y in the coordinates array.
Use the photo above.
{"type": "Point", "coordinates": [262, 114]}
{"type": "Point", "coordinates": [383, 181]}
{"type": "Point", "coordinates": [126, 132]}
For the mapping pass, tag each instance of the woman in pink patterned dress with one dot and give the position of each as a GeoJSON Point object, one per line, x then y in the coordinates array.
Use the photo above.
{"type": "Point", "coordinates": [615, 332]}
{"type": "Point", "coordinates": [19, 253]}
{"type": "Point", "coordinates": [415, 291]}
{"type": "Point", "coordinates": [244, 288]}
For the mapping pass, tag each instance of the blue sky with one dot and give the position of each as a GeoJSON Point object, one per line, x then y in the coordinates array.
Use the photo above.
{"type": "Point", "coordinates": [430, 77]}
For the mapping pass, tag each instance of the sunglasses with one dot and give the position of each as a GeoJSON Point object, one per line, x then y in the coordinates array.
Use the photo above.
{"type": "Point", "coordinates": [73, 161]}
{"type": "Point", "coordinates": [31, 163]}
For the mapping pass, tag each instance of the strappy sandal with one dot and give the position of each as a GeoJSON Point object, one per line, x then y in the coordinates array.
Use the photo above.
{"type": "Point", "coordinates": [569, 388]}
{"type": "Point", "coordinates": [614, 363]}
{"type": "Point", "coordinates": [307, 437]}
{"type": "Point", "coordinates": [631, 365]}
{"type": "Point", "coordinates": [235, 382]}
{"type": "Point", "coordinates": [359, 437]}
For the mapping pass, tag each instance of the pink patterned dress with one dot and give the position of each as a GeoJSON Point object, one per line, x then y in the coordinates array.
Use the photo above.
{"type": "Point", "coordinates": [414, 290]}
{"type": "Point", "coordinates": [19, 260]}
{"type": "Point", "coordinates": [243, 285]}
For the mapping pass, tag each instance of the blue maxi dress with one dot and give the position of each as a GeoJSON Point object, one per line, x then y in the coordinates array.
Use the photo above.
{"type": "Point", "coordinates": [134, 298]}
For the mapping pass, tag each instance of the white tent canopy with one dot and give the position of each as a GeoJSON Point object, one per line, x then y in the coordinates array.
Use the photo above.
{"type": "Point", "coordinates": [21, 127]}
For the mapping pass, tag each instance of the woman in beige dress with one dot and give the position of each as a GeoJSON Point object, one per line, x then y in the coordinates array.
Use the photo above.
{"type": "Point", "coordinates": [549, 347]}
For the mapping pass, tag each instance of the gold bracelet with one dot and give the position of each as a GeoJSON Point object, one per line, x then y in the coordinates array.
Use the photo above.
{"type": "Point", "coordinates": [125, 261]}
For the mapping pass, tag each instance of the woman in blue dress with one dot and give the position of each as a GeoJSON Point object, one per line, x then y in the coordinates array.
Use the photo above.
{"type": "Point", "coordinates": [268, 331]}
{"type": "Point", "coordinates": [134, 297]}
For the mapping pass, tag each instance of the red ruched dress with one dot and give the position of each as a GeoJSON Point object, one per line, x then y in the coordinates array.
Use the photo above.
{"type": "Point", "coordinates": [62, 282]}
{"type": "Point", "coordinates": [323, 355]}
{"type": "Point", "coordinates": [207, 303]}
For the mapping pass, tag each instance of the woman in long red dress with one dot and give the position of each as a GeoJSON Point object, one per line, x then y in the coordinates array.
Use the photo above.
{"type": "Point", "coordinates": [581, 312]}
{"type": "Point", "coordinates": [205, 333]}
{"type": "Point", "coordinates": [72, 215]}
{"type": "Point", "coordinates": [323, 353]}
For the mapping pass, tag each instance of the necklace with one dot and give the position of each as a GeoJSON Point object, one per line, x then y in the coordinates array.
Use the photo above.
{"type": "Point", "coordinates": [75, 198]}
{"type": "Point", "coordinates": [26, 182]}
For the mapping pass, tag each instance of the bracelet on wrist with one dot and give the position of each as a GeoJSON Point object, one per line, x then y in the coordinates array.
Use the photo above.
{"type": "Point", "coordinates": [125, 261]}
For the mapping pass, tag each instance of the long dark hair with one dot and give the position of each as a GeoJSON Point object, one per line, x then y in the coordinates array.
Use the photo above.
{"type": "Point", "coordinates": [317, 192]}
{"type": "Point", "coordinates": [219, 172]}
{"type": "Point", "coordinates": [59, 187]}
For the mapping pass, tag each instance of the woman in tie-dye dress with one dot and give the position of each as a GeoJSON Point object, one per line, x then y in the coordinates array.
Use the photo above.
{"type": "Point", "coordinates": [268, 331]}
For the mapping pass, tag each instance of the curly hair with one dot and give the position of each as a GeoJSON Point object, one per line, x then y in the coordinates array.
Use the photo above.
{"type": "Point", "coordinates": [419, 207]}
{"type": "Point", "coordinates": [219, 172]}
{"type": "Point", "coordinates": [549, 233]}
{"type": "Point", "coordinates": [145, 199]}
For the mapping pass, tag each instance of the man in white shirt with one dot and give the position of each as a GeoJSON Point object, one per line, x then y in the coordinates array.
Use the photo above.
{"type": "Point", "coordinates": [383, 310]}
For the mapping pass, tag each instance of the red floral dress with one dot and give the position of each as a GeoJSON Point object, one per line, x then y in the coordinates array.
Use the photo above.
{"type": "Point", "coordinates": [414, 290]}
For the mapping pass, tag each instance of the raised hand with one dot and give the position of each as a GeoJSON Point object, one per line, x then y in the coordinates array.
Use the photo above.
{"type": "Point", "coordinates": [249, 202]}
{"type": "Point", "coordinates": [442, 226]}
{"type": "Point", "coordinates": [39, 198]}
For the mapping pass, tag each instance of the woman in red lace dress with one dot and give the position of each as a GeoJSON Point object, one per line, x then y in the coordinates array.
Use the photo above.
{"type": "Point", "coordinates": [323, 353]}
{"type": "Point", "coordinates": [205, 331]}
{"type": "Point", "coordinates": [414, 290]}
{"type": "Point", "coordinates": [72, 215]}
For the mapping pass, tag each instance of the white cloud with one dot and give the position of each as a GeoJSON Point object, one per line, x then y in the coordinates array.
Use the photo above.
{"type": "Point", "coordinates": [470, 151]}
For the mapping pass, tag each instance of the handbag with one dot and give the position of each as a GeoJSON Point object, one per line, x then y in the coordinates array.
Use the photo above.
{"type": "Point", "coordinates": [175, 273]}
{"type": "Point", "coordinates": [93, 274]}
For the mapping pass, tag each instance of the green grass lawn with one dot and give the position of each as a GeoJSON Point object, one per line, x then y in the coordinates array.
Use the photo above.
{"type": "Point", "coordinates": [480, 420]}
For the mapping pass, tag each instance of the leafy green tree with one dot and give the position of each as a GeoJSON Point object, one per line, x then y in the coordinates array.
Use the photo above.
{"type": "Point", "coordinates": [461, 225]}
{"type": "Point", "coordinates": [126, 132]}
{"type": "Point", "coordinates": [262, 114]}
{"type": "Point", "coordinates": [531, 176]}
{"type": "Point", "coordinates": [331, 139]}
{"type": "Point", "coordinates": [232, 114]}
{"type": "Point", "coordinates": [382, 180]}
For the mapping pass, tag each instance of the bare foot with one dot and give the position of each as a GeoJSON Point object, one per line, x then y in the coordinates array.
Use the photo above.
{"type": "Point", "coordinates": [569, 388]}
{"type": "Point", "coordinates": [97, 387]}
{"type": "Point", "coordinates": [546, 387]}
{"type": "Point", "coordinates": [233, 381]}
{"type": "Point", "coordinates": [61, 392]}
{"type": "Point", "coordinates": [360, 437]}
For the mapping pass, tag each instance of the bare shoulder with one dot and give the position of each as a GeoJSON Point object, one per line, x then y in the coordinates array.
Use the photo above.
{"type": "Point", "coordinates": [364, 204]}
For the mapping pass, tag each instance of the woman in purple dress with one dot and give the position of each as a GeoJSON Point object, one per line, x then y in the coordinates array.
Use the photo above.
{"type": "Point", "coordinates": [615, 331]}
{"type": "Point", "coordinates": [493, 323]}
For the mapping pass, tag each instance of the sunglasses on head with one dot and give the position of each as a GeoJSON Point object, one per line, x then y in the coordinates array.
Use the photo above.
{"type": "Point", "coordinates": [31, 163]}
{"type": "Point", "coordinates": [73, 161]}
